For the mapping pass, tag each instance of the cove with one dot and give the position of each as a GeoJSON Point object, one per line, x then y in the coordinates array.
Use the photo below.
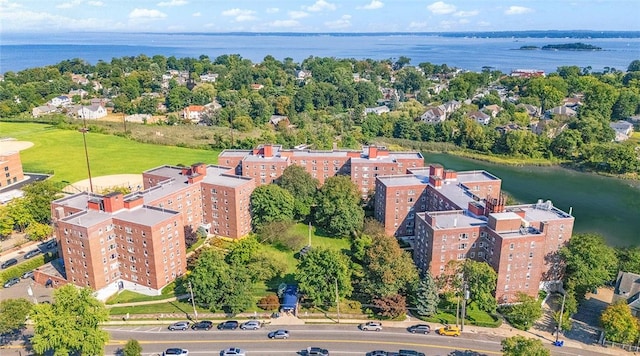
{"type": "Point", "coordinates": [602, 205]}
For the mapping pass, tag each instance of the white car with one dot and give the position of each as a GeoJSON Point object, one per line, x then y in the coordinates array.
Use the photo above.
{"type": "Point", "coordinates": [233, 351]}
{"type": "Point", "coordinates": [250, 325]}
{"type": "Point", "coordinates": [372, 325]}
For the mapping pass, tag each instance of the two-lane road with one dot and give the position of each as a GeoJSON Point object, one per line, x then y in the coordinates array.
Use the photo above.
{"type": "Point", "coordinates": [338, 339]}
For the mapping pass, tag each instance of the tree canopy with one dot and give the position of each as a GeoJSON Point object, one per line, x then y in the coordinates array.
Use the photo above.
{"type": "Point", "coordinates": [589, 262]}
{"type": "Point", "coordinates": [71, 324]}
{"type": "Point", "coordinates": [338, 212]}
{"type": "Point", "coordinates": [302, 186]}
{"type": "Point", "coordinates": [13, 314]}
{"type": "Point", "coordinates": [619, 324]}
{"type": "Point", "coordinates": [271, 203]}
{"type": "Point", "coordinates": [481, 280]}
{"type": "Point", "coordinates": [320, 271]}
{"type": "Point", "coordinates": [522, 346]}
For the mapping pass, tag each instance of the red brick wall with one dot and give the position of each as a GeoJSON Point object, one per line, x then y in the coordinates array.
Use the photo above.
{"type": "Point", "coordinates": [10, 168]}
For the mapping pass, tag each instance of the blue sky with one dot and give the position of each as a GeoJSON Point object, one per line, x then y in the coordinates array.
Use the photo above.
{"type": "Point", "coordinates": [316, 15]}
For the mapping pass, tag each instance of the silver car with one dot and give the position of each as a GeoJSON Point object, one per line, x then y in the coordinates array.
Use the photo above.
{"type": "Point", "coordinates": [233, 351]}
{"type": "Point", "coordinates": [279, 334]}
{"type": "Point", "coordinates": [181, 325]}
{"type": "Point", "coordinates": [250, 325]}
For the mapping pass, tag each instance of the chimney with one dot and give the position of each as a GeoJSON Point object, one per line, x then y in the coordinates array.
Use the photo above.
{"type": "Point", "coordinates": [267, 150]}
{"type": "Point", "coordinates": [113, 202]}
{"type": "Point", "coordinates": [133, 202]}
{"type": "Point", "coordinates": [373, 152]}
{"type": "Point", "coordinates": [476, 208]}
{"type": "Point", "coordinates": [436, 170]}
{"type": "Point", "coordinates": [435, 181]}
{"type": "Point", "coordinates": [199, 168]}
{"type": "Point", "coordinates": [195, 178]}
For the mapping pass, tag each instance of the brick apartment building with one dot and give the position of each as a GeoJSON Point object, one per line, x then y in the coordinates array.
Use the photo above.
{"type": "Point", "coordinates": [137, 241]}
{"type": "Point", "coordinates": [461, 215]}
{"type": "Point", "coordinates": [10, 168]}
{"type": "Point", "coordinates": [266, 163]}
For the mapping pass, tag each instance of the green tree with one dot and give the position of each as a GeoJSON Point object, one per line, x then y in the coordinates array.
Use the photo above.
{"type": "Point", "coordinates": [634, 66]}
{"type": "Point", "coordinates": [19, 212]}
{"type": "Point", "coordinates": [320, 271]}
{"type": "Point", "coordinates": [37, 231]}
{"type": "Point", "coordinates": [481, 280]}
{"type": "Point", "coordinates": [132, 348]}
{"type": "Point", "coordinates": [589, 262]}
{"type": "Point", "coordinates": [522, 346]}
{"type": "Point", "coordinates": [271, 203]}
{"type": "Point", "coordinates": [550, 90]}
{"type": "Point", "coordinates": [619, 324]}
{"type": "Point", "coordinates": [338, 211]}
{"type": "Point", "coordinates": [13, 314]}
{"type": "Point", "coordinates": [629, 259]}
{"type": "Point", "coordinates": [210, 274]}
{"type": "Point", "coordinates": [71, 324]}
{"type": "Point", "coordinates": [388, 269]}
{"type": "Point", "coordinates": [391, 306]}
{"type": "Point", "coordinates": [6, 221]}
{"type": "Point", "coordinates": [524, 312]}
{"type": "Point", "coordinates": [302, 186]}
{"type": "Point", "coordinates": [426, 296]}
{"type": "Point", "coordinates": [38, 197]}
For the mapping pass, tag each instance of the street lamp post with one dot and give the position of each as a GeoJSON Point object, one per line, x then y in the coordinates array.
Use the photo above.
{"type": "Point", "coordinates": [465, 297]}
{"type": "Point", "coordinates": [564, 296]}
{"type": "Point", "coordinates": [193, 303]}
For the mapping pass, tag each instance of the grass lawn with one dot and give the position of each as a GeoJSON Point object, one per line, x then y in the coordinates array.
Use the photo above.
{"type": "Point", "coordinates": [635, 138]}
{"type": "Point", "coordinates": [62, 151]}
{"type": "Point", "coordinates": [161, 308]}
{"type": "Point", "coordinates": [127, 296]}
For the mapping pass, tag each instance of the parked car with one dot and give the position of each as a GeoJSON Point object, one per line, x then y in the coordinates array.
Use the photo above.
{"type": "Point", "coordinates": [317, 351]}
{"type": "Point", "coordinates": [51, 244]}
{"type": "Point", "coordinates": [449, 331]}
{"type": "Point", "coordinates": [228, 325]}
{"type": "Point", "coordinates": [11, 282]}
{"type": "Point", "coordinates": [251, 325]}
{"type": "Point", "coordinates": [377, 353]}
{"type": "Point", "coordinates": [279, 334]}
{"type": "Point", "coordinates": [202, 325]}
{"type": "Point", "coordinates": [27, 274]}
{"type": "Point", "coordinates": [32, 253]}
{"type": "Point", "coordinates": [409, 353]}
{"type": "Point", "coordinates": [419, 329]}
{"type": "Point", "coordinates": [175, 351]}
{"type": "Point", "coordinates": [8, 263]}
{"type": "Point", "coordinates": [233, 351]}
{"type": "Point", "coordinates": [372, 325]}
{"type": "Point", "coordinates": [181, 325]}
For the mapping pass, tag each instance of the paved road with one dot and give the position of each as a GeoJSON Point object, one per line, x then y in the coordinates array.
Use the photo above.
{"type": "Point", "coordinates": [340, 340]}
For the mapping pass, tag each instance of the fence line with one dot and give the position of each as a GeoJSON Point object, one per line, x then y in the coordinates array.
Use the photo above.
{"type": "Point", "coordinates": [625, 347]}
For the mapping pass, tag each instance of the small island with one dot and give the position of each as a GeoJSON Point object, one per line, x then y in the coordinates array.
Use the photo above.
{"type": "Point", "coordinates": [571, 47]}
{"type": "Point", "coordinates": [563, 47]}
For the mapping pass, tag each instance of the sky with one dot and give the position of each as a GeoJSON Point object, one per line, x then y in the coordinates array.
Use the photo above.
{"type": "Point", "coordinates": [48, 16]}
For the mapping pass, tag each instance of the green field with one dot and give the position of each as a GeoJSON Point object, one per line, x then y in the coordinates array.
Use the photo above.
{"type": "Point", "coordinates": [62, 151]}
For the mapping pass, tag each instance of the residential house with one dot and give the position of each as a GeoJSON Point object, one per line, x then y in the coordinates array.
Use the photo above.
{"type": "Point", "coordinates": [507, 128]}
{"type": "Point", "coordinates": [256, 86]}
{"type": "Point", "coordinates": [61, 100]}
{"type": "Point", "coordinates": [92, 112]}
{"type": "Point", "coordinates": [378, 110]}
{"type": "Point", "coordinates": [451, 106]}
{"type": "Point", "coordinates": [627, 288]}
{"type": "Point", "coordinates": [43, 110]}
{"type": "Point", "coordinates": [138, 118]}
{"type": "Point", "coordinates": [193, 112]}
{"type": "Point", "coordinates": [527, 73]}
{"type": "Point", "coordinates": [480, 117]}
{"type": "Point", "coordinates": [433, 115]}
{"type": "Point", "coordinates": [560, 111]}
{"type": "Point", "coordinates": [532, 110]}
{"type": "Point", "coordinates": [303, 75]}
{"type": "Point", "coordinates": [275, 120]}
{"type": "Point", "coordinates": [623, 129]}
{"type": "Point", "coordinates": [79, 79]}
{"type": "Point", "coordinates": [492, 110]}
{"type": "Point", "coordinates": [79, 92]}
{"type": "Point", "coordinates": [209, 77]}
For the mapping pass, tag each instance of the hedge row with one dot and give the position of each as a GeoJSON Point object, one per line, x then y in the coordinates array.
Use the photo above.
{"type": "Point", "coordinates": [18, 270]}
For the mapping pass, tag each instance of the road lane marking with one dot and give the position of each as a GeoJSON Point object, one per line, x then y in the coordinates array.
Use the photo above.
{"type": "Point", "coordinates": [372, 342]}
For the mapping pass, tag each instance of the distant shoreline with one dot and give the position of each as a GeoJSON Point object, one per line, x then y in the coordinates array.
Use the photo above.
{"type": "Point", "coordinates": [563, 47]}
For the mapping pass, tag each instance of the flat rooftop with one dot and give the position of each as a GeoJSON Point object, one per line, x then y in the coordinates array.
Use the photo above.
{"type": "Point", "coordinates": [453, 219]}
{"type": "Point", "coordinates": [234, 153]}
{"type": "Point", "coordinates": [540, 212]}
{"type": "Point", "coordinates": [403, 180]}
{"type": "Point", "coordinates": [145, 215]}
{"type": "Point", "coordinates": [475, 176]}
{"type": "Point", "coordinates": [227, 180]}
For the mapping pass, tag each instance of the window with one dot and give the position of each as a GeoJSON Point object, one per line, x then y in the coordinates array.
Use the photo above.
{"type": "Point", "coordinates": [464, 236]}
{"type": "Point", "coordinates": [530, 254]}
{"type": "Point", "coordinates": [511, 246]}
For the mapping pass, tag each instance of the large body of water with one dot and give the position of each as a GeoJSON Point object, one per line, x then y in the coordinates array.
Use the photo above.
{"type": "Point", "coordinates": [21, 51]}
{"type": "Point", "coordinates": [606, 206]}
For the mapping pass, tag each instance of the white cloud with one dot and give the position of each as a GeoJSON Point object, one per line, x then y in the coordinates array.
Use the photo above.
{"type": "Point", "coordinates": [95, 3]}
{"type": "Point", "coordinates": [272, 10]}
{"type": "Point", "coordinates": [374, 4]}
{"type": "Point", "coordinates": [173, 3]}
{"type": "Point", "coordinates": [466, 13]}
{"type": "Point", "coordinates": [240, 15]}
{"type": "Point", "coordinates": [196, 14]}
{"type": "Point", "coordinates": [146, 14]}
{"type": "Point", "coordinates": [484, 23]}
{"type": "Point", "coordinates": [517, 10]}
{"type": "Point", "coordinates": [341, 23]}
{"type": "Point", "coordinates": [463, 21]}
{"type": "Point", "coordinates": [285, 23]}
{"type": "Point", "coordinates": [68, 5]}
{"type": "Point", "coordinates": [297, 14]}
{"type": "Point", "coordinates": [16, 18]}
{"type": "Point", "coordinates": [320, 5]}
{"type": "Point", "coordinates": [441, 8]}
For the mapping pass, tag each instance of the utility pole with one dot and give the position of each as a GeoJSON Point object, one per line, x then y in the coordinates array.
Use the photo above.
{"type": "Point", "coordinates": [193, 302]}
{"type": "Point", "coordinates": [564, 296]}
{"type": "Point", "coordinates": [458, 312]}
{"type": "Point", "coordinates": [465, 296]}
{"type": "Point", "coordinates": [84, 130]}
{"type": "Point", "coordinates": [337, 299]}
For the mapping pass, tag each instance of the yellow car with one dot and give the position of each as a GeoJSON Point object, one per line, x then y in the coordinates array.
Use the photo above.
{"type": "Point", "coordinates": [449, 331]}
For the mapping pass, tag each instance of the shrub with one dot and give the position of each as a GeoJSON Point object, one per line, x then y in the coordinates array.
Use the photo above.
{"type": "Point", "coordinates": [269, 302]}
{"type": "Point", "coordinates": [391, 307]}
